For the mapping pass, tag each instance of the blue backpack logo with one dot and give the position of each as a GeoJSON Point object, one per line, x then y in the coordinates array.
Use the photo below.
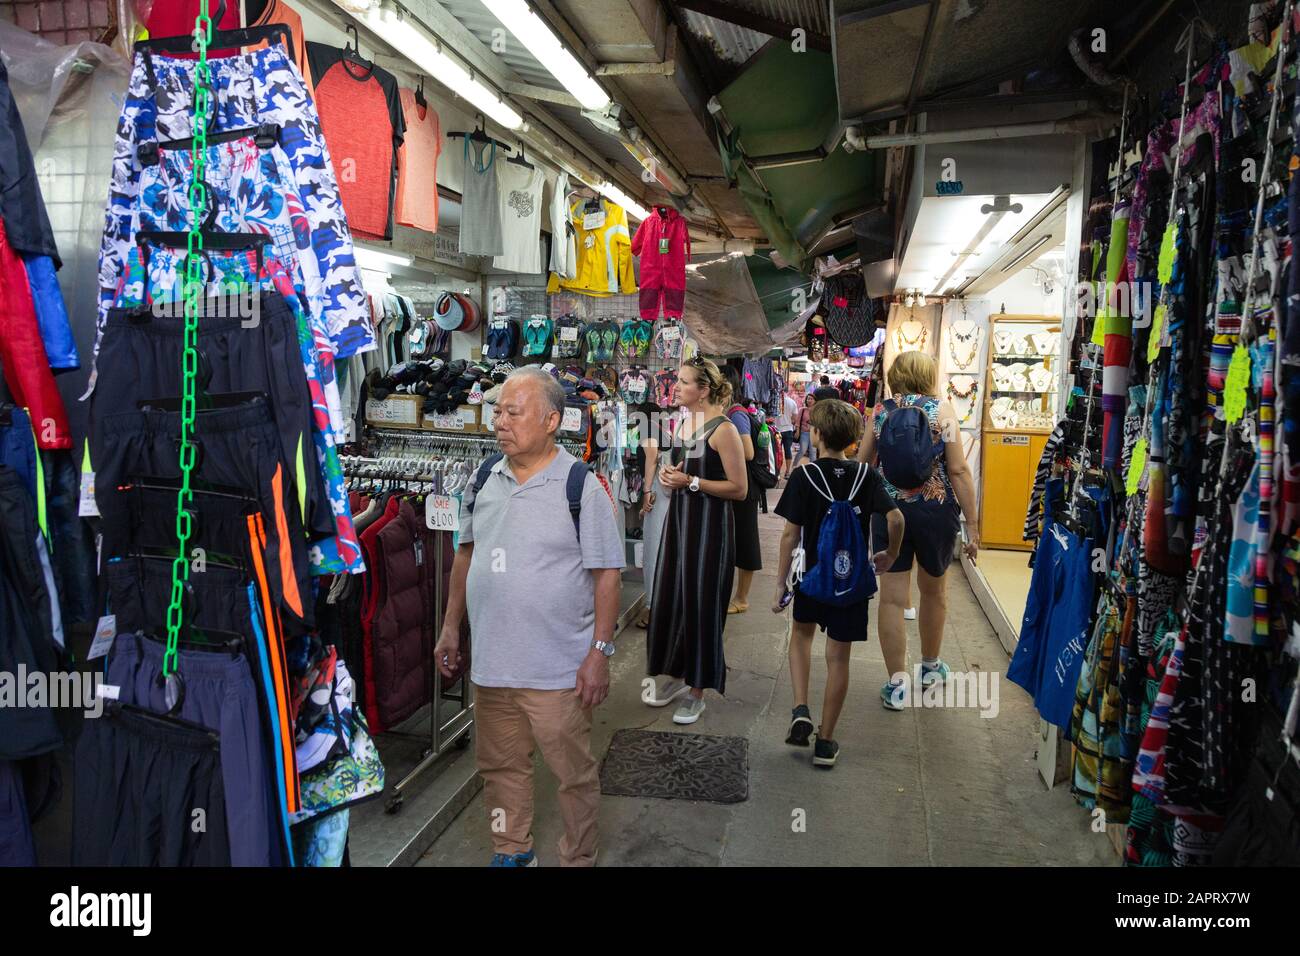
{"type": "Point", "coordinates": [907, 451]}
{"type": "Point", "coordinates": [843, 574]}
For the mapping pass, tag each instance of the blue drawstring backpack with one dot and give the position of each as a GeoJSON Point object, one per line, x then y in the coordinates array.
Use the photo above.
{"type": "Point", "coordinates": [843, 574]}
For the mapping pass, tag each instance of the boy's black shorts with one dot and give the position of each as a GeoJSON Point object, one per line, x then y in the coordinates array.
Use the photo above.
{"type": "Point", "coordinates": [847, 624]}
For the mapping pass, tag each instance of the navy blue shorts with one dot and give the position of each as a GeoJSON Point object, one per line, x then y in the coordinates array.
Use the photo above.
{"type": "Point", "coordinates": [847, 624]}
{"type": "Point", "coordinates": [929, 536]}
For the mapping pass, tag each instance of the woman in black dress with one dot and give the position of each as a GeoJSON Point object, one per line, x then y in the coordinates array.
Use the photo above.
{"type": "Point", "coordinates": [697, 551]}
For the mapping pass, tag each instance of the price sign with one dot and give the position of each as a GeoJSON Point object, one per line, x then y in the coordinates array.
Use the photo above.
{"type": "Point", "coordinates": [441, 513]}
{"type": "Point", "coordinates": [572, 420]}
{"type": "Point", "coordinates": [672, 333]}
{"type": "Point", "coordinates": [569, 333]}
{"type": "Point", "coordinates": [449, 423]}
{"type": "Point", "coordinates": [593, 220]}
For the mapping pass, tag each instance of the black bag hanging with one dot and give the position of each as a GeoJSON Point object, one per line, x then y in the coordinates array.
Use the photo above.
{"type": "Point", "coordinates": [849, 316]}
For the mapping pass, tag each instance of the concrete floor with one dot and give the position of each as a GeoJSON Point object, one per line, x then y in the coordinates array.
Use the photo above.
{"type": "Point", "coordinates": [922, 787]}
{"type": "Point", "coordinates": [1008, 574]}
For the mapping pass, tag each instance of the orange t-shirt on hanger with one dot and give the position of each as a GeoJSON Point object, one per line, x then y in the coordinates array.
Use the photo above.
{"type": "Point", "coordinates": [417, 165]}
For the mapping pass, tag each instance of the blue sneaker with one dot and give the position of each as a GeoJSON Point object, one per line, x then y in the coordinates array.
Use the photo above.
{"type": "Point", "coordinates": [894, 696]}
{"type": "Point", "coordinates": [519, 859]}
{"type": "Point", "coordinates": [937, 674]}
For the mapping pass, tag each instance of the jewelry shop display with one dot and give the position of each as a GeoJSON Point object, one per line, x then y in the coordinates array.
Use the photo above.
{"type": "Point", "coordinates": [914, 342]}
{"type": "Point", "coordinates": [963, 343]}
{"type": "Point", "coordinates": [963, 396]}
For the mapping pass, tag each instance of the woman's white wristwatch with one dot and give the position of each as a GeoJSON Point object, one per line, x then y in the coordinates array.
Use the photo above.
{"type": "Point", "coordinates": [695, 483]}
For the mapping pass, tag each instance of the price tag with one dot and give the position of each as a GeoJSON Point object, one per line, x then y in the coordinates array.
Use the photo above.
{"type": "Point", "coordinates": [1234, 388]}
{"type": "Point", "coordinates": [593, 220]}
{"type": "Point", "coordinates": [441, 513]}
{"type": "Point", "coordinates": [569, 333]}
{"type": "Point", "coordinates": [449, 423]}
{"type": "Point", "coordinates": [1168, 251]}
{"type": "Point", "coordinates": [572, 420]}
{"type": "Point", "coordinates": [672, 333]}
{"type": "Point", "coordinates": [105, 631]}
{"type": "Point", "coordinates": [1157, 327]}
{"type": "Point", "coordinates": [1136, 466]}
{"type": "Point", "coordinates": [663, 246]}
{"type": "Point", "coordinates": [86, 507]}
{"type": "Point", "coordinates": [107, 691]}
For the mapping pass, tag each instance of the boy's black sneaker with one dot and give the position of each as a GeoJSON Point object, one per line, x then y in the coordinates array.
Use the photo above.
{"type": "Point", "coordinates": [801, 726]}
{"type": "Point", "coordinates": [825, 752]}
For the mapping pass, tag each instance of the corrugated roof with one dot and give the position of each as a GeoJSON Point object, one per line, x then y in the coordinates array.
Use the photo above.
{"type": "Point", "coordinates": [481, 22]}
{"type": "Point", "coordinates": [730, 43]}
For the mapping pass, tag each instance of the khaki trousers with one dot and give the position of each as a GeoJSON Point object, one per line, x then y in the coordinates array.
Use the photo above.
{"type": "Point", "coordinates": [508, 721]}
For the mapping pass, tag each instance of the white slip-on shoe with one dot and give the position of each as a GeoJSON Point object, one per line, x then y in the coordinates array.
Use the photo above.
{"type": "Point", "coordinates": [663, 696]}
{"type": "Point", "coordinates": [690, 710]}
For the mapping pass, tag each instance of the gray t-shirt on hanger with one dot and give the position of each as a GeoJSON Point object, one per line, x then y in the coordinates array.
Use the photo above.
{"type": "Point", "coordinates": [480, 212]}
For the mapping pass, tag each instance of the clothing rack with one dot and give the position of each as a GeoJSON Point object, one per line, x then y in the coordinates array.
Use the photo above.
{"type": "Point", "coordinates": [446, 441]}
{"type": "Point", "coordinates": [443, 734]}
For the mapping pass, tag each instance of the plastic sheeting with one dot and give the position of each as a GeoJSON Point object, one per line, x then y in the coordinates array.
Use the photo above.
{"type": "Point", "coordinates": [722, 310]}
{"type": "Point", "coordinates": [70, 98]}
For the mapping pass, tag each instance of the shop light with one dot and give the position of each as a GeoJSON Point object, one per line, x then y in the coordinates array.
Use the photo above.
{"type": "Point", "coordinates": [400, 31]}
{"type": "Point", "coordinates": [614, 194]}
{"type": "Point", "coordinates": [379, 260]}
{"type": "Point", "coordinates": [536, 36]}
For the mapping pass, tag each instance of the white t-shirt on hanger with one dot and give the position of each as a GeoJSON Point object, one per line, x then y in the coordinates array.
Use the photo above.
{"type": "Point", "coordinates": [564, 253]}
{"type": "Point", "coordinates": [521, 218]}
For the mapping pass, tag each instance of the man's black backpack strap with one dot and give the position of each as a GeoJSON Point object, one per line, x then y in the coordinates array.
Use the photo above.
{"type": "Point", "coordinates": [572, 489]}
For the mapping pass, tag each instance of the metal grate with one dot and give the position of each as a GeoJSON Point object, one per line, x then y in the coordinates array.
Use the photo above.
{"type": "Point", "coordinates": [62, 21]}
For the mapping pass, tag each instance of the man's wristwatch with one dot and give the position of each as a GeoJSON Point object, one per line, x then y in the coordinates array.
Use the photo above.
{"type": "Point", "coordinates": [605, 647]}
{"type": "Point", "coordinates": [695, 483]}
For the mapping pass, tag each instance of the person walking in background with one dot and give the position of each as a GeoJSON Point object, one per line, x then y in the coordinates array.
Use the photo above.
{"type": "Point", "coordinates": [749, 552]}
{"type": "Point", "coordinates": [825, 389]}
{"type": "Point", "coordinates": [697, 554]}
{"type": "Point", "coordinates": [803, 425]}
{"type": "Point", "coordinates": [933, 488]}
{"type": "Point", "coordinates": [809, 506]}
{"type": "Point", "coordinates": [654, 503]}
{"type": "Point", "coordinates": [785, 424]}
{"type": "Point", "coordinates": [541, 586]}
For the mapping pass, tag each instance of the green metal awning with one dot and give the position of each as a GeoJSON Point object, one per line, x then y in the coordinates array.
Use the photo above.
{"type": "Point", "coordinates": [785, 102]}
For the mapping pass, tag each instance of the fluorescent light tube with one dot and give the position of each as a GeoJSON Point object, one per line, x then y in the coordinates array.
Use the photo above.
{"type": "Point", "coordinates": [536, 36]}
{"type": "Point", "coordinates": [378, 260]}
{"type": "Point", "coordinates": [410, 40]}
{"type": "Point", "coordinates": [613, 193]}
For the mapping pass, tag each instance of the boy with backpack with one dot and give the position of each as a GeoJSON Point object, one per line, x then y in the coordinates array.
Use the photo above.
{"type": "Point", "coordinates": [828, 506]}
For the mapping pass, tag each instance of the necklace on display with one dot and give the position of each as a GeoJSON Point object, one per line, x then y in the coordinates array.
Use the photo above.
{"type": "Point", "coordinates": [914, 344]}
{"type": "Point", "coordinates": [968, 396]}
{"type": "Point", "coordinates": [971, 337]}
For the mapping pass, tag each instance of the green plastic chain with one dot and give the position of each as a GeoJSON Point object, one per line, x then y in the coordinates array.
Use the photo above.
{"type": "Point", "coordinates": [193, 291]}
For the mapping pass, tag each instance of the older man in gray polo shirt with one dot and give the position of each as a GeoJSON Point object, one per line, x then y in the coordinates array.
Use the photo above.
{"type": "Point", "coordinates": [543, 599]}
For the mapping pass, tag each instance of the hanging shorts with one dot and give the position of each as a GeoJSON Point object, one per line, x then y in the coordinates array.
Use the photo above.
{"type": "Point", "coordinates": [341, 553]}
{"type": "Point", "coordinates": [220, 694]}
{"type": "Point", "coordinates": [222, 602]}
{"type": "Point", "coordinates": [139, 786]}
{"type": "Point", "coordinates": [238, 451]}
{"type": "Point", "coordinates": [141, 358]}
{"type": "Point", "coordinates": [249, 90]}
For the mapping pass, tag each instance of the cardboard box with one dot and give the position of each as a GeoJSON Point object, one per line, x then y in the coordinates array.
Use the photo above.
{"type": "Point", "coordinates": [466, 419]}
{"type": "Point", "coordinates": [396, 411]}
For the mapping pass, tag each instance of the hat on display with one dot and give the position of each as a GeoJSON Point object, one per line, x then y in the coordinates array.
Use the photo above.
{"type": "Point", "coordinates": [475, 394]}
{"type": "Point", "coordinates": [473, 315]}
{"type": "Point", "coordinates": [492, 394]}
{"type": "Point", "coordinates": [501, 371]}
{"type": "Point", "coordinates": [449, 312]}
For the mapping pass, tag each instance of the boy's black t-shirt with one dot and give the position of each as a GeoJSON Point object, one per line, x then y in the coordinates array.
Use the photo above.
{"type": "Point", "coordinates": [804, 505]}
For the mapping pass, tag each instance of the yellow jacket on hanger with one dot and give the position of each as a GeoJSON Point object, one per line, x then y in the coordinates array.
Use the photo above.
{"type": "Point", "coordinates": [604, 247]}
